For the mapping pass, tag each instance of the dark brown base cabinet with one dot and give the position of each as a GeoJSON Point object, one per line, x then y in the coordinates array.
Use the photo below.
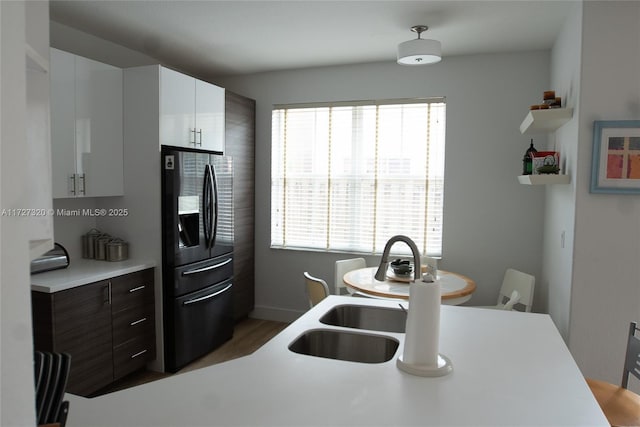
{"type": "Point", "coordinates": [107, 327]}
{"type": "Point", "coordinates": [240, 137]}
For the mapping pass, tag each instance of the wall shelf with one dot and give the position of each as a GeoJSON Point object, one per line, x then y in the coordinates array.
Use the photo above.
{"type": "Point", "coordinates": [544, 179]}
{"type": "Point", "coordinates": [543, 121]}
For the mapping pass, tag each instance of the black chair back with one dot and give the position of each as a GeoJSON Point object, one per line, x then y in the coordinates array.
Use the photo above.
{"type": "Point", "coordinates": [632, 359]}
{"type": "Point", "coordinates": [51, 374]}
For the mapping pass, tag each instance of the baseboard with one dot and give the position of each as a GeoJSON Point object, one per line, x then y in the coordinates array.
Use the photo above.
{"type": "Point", "coordinates": [276, 314]}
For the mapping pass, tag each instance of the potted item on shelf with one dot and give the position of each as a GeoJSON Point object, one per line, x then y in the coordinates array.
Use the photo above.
{"type": "Point", "coordinates": [545, 162]}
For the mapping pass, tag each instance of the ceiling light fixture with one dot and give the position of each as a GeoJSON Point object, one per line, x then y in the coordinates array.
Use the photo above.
{"type": "Point", "coordinates": [419, 51]}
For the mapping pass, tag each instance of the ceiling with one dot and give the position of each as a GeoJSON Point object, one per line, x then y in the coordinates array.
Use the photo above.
{"type": "Point", "coordinates": [221, 38]}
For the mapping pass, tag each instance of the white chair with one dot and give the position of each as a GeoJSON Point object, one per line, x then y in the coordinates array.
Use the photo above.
{"type": "Point", "coordinates": [514, 298]}
{"type": "Point", "coordinates": [344, 266]}
{"type": "Point", "coordinates": [429, 265]}
{"type": "Point", "coordinates": [517, 288]}
{"type": "Point", "coordinates": [317, 289]}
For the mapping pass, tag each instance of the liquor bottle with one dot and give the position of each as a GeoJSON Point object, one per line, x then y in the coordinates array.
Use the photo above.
{"type": "Point", "coordinates": [527, 161]}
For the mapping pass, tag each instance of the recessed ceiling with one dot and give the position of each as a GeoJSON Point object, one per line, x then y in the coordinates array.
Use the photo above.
{"type": "Point", "coordinates": [221, 38]}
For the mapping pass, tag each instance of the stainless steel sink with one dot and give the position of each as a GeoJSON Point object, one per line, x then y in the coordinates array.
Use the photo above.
{"type": "Point", "coordinates": [341, 345]}
{"type": "Point", "coordinates": [365, 317]}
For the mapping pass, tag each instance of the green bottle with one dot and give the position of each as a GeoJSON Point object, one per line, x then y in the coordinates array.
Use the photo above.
{"type": "Point", "coordinates": [527, 162]}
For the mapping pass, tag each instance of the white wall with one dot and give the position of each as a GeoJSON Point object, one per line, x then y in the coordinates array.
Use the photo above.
{"type": "Point", "coordinates": [490, 221]}
{"type": "Point", "coordinates": [559, 221]}
{"type": "Point", "coordinates": [17, 395]}
{"type": "Point", "coordinates": [606, 272]}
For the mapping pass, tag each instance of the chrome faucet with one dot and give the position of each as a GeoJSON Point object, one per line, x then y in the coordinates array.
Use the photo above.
{"type": "Point", "coordinates": [384, 262]}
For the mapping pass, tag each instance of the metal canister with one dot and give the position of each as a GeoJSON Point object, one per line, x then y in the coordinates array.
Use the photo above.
{"type": "Point", "coordinates": [89, 242]}
{"type": "Point", "coordinates": [117, 250]}
{"type": "Point", "coordinates": [101, 246]}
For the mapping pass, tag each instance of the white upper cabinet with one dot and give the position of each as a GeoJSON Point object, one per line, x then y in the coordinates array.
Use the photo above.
{"type": "Point", "coordinates": [209, 116]}
{"type": "Point", "coordinates": [177, 106]}
{"type": "Point", "coordinates": [191, 112]}
{"type": "Point", "coordinates": [63, 116]}
{"type": "Point", "coordinates": [86, 127]}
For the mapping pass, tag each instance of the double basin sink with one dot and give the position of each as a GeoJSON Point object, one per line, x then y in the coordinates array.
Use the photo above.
{"type": "Point", "coordinates": [353, 346]}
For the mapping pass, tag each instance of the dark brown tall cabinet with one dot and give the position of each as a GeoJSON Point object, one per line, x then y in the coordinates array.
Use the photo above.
{"type": "Point", "coordinates": [240, 145]}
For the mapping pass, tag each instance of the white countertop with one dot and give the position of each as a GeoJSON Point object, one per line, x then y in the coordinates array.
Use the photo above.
{"type": "Point", "coordinates": [510, 369]}
{"type": "Point", "coordinates": [84, 271]}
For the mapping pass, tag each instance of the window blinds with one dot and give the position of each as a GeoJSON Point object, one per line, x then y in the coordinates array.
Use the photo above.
{"type": "Point", "coordinates": [349, 177]}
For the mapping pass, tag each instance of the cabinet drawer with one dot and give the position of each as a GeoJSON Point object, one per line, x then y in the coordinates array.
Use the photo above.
{"type": "Point", "coordinates": [133, 355]}
{"type": "Point", "coordinates": [132, 290]}
{"type": "Point", "coordinates": [134, 323]}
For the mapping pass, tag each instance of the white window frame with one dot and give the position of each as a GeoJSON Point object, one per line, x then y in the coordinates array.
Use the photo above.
{"type": "Point", "coordinates": [307, 156]}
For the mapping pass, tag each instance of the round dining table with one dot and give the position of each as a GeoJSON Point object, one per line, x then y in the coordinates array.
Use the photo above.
{"type": "Point", "coordinates": [455, 288]}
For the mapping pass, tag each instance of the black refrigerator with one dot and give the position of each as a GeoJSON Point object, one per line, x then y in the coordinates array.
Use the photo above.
{"type": "Point", "coordinates": [197, 253]}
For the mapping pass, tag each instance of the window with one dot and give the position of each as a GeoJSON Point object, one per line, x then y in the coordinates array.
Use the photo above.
{"type": "Point", "coordinates": [348, 176]}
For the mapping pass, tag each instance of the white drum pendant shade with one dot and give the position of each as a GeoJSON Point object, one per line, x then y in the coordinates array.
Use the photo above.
{"type": "Point", "coordinates": [419, 52]}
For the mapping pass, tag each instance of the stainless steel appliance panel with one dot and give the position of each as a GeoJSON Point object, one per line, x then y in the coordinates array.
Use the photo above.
{"type": "Point", "coordinates": [199, 322]}
{"type": "Point", "coordinates": [56, 258]}
{"type": "Point", "coordinates": [191, 277]}
{"type": "Point", "coordinates": [197, 206]}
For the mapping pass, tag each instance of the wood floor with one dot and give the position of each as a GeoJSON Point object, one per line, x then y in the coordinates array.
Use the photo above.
{"type": "Point", "coordinates": [249, 335]}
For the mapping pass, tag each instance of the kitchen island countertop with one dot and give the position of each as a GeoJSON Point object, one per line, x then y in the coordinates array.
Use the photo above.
{"type": "Point", "coordinates": [509, 368]}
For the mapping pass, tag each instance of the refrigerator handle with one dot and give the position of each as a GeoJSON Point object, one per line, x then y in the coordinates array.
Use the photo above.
{"type": "Point", "coordinates": [214, 196]}
{"type": "Point", "coordinates": [206, 297]}
{"type": "Point", "coordinates": [206, 203]}
{"type": "Point", "coordinates": [208, 268]}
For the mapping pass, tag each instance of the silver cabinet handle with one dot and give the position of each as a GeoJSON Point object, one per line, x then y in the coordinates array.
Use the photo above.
{"type": "Point", "coordinates": [139, 288]}
{"type": "Point", "coordinates": [206, 297]}
{"type": "Point", "coordinates": [192, 131]}
{"type": "Point", "coordinates": [140, 353]}
{"type": "Point", "coordinates": [136, 322]}
{"type": "Point", "coordinates": [200, 132]}
{"type": "Point", "coordinates": [73, 184]}
{"type": "Point", "coordinates": [84, 184]}
{"type": "Point", "coordinates": [107, 292]}
{"type": "Point", "coordinates": [203, 269]}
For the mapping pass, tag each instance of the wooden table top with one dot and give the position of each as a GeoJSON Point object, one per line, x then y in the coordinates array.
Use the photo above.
{"type": "Point", "coordinates": [620, 406]}
{"type": "Point", "coordinates": [454, 286]}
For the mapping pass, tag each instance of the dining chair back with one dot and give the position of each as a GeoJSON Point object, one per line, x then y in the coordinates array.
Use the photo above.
{"type": "Point", "coordinates": [43, 369]}
{"type": "Point", "coordinates": [344, 266]}
{"type": "Point", "coordinates": [317, 289]}
{"type": "Point", "coordinates": [632, 359]}
{"type": "Point", "coordinates": [517, 289]}
{"type": "Point", "coordinates": [520, 282]}
{"type": "Point", "coordinates": [51, 375]}
{"type": "Point", "coordinates": [620, 405]}
{"type": "Point", "coordinates": [514, 298]}
{"type": "Point", "coordinates": [429, 265]}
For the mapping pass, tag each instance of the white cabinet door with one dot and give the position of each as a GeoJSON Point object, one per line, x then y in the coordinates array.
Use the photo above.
{"type": "Point", "coordinates": [177, 109]}
{"type": "Point", "coordinates": [209, 116]}
{"type": "Point", "coordinates": [63, 114]}
{"type": "Point", "coordinates": [86, 127]}
{"type": "Point", "coordinates": [98, 128]}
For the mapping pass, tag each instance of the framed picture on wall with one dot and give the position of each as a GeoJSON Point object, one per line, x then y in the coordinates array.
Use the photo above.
{"type": "Point", "coordinates": [615, 164]}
